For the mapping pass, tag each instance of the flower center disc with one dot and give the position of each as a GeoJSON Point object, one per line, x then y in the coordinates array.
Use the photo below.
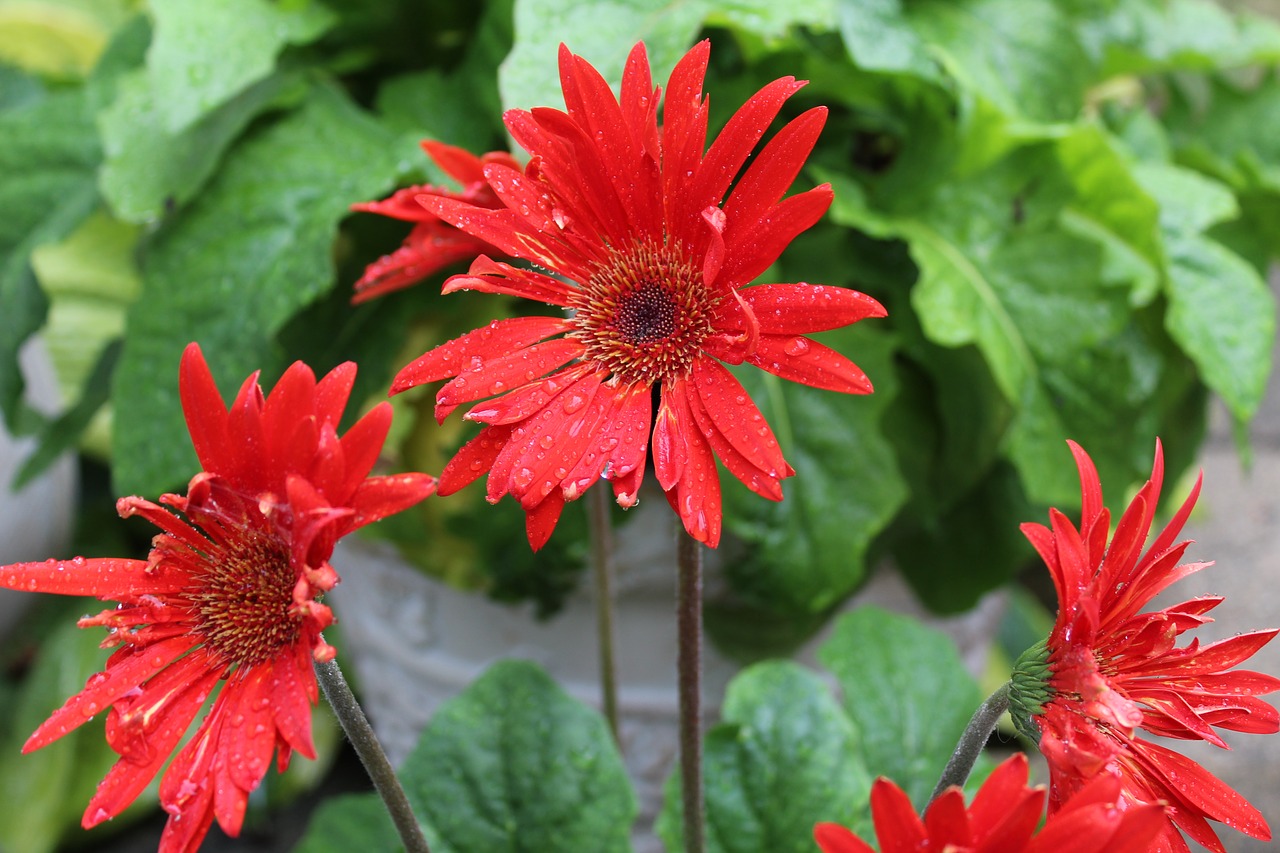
{"type": "Point", "coordinates": [246, 602]}
{"type": "Point", "coordinates": [645, 315]}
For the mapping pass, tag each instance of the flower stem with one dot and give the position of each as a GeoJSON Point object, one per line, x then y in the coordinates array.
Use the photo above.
{"type": "Point", "coordinates": [689, 667]}
{"type": "Point", "coordinates": [360, 733]}
{"type": "Point", "coordinates": [981, 725]}
{"type": "Point", "coordinates": [602, 566]}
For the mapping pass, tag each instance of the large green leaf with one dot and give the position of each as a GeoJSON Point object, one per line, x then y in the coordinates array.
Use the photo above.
{"type": "Point", "coordinates": [203, 54]}
{"type": "Point", "coordinates": [235, 267]}
{"type": "Point", "coordinates": [350, 822]}
{"type": "Point", "coordinates": [604, 33]}
{"type": "Point", "coordinates": [1024, 56]}
{"type": "Point", "coordinates": [785, 758]}
{"type": "Point", "coordinates": [48, 154]}
{"type": "Point", "coordinates": [516, 764]}
{"type": "Point", "coordinates": [149, 167]}
{"type": "Point", "coordinates": [907, 691]}
{"type": "Point", "coordinates": [805, 554]}
{"type": "Point", "coordinates": [1220, 310]}
{"type": "Point", "coordinates": [1148, 36]}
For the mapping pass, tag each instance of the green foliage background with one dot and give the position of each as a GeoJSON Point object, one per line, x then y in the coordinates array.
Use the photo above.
{"type": "Point", "coordinates": [1067, 207]}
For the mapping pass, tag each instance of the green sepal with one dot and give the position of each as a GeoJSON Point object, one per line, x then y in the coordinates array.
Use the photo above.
{"type": "Point", "coordinates": [1030, 689]}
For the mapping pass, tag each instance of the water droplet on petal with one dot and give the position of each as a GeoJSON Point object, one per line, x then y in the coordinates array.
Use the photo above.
{"type": "Point", "coordinates": [796, 346]}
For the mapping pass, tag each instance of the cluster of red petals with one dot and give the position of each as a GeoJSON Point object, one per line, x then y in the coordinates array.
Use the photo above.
{"type": "Point", "coordinates": [433, 244]}
{"type": "Point", "coordinates": [1003, 818]}
{"type": "Point", "coordinates": [228, 594]}
{"type": "Point", "coordinates": [1115, 669]}
{"type": "Point", "coordinates": [651, 254]}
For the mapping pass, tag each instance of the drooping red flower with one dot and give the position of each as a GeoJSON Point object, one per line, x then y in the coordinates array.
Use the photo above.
{"type": "Point", "coordinates": [229, 594]}
{"type": "Point", "coordinates": [649, 253]}
{"type": "Point", "coordinates": [1108, 669]}
{"type": "Point", "coordinates": [432, 244]}
{"type": "Point", "coordinates": [1003, 818]}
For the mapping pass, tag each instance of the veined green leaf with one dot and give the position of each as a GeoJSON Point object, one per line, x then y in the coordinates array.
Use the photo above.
{"type": "Point", "coordinates": [235, 267]}
{"type": "Point", "coordinates": [515, 764]}
{"type": "Point", "coordinates": [785, 757]}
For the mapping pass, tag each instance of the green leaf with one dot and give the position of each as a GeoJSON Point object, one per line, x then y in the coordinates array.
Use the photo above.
{"type": "Point", "coordinates": [1111, 207]}
{"type": "Point", "coordinates": [1149, 36]}
{"type": "Point", "coordinates": [879, 37]}
{"type": "Point", "coordinates": [516, 764]}
{"type": "Point", "coordinates": [604, 33]}
{"type": "Point", "coordinates": [1216, 131]}
{"type": "Point", "coordinates": [806, 553]}
{"type": "Point", "coordinates": [350, 822]}
{"type": "Point", "coordinates": [1220, 310]}
{"type": "Point", "coordinates": [150, 167]}
{"type": "Point", "coordinates": [203, 54]}
{"type": "Point", "coordinates": [975, 546]}
{"type": "Point", "coordinates": [1024, 56]}
{"type": "Point", "coordinates": [58, 38]}
{"type": "Point", "coordinates": [784, 758]}
{"type": "Point", "coordinates": [235, 267]}
{"type": "Point", "coordinates": [44, 793]}
{"type": "Point", "coordinates": [907, 691]}
{"type": "Point", "coordinates": [48, 153]}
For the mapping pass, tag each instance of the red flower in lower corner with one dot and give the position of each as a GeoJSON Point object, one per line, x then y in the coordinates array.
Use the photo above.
{"type": "Point", "coordinates": [647, 240]}
{"type": "Point", "coordinates": [1003, 818]}
{"type": "Point", "coordinates": [1108, 669]}
{"type": "Point", "coordinates": [433, 244]}
{"type": "Point", "coordinates": [228, 595]}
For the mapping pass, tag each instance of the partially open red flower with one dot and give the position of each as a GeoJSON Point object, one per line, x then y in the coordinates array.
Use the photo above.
{"type": "Point", "coordinates": [633, 229]}
{"type": "Point", "coordinates": [1003, 818]}
{"type": "Point", "coordinates": [229, 594]}
{"type": "Point", "coordinates": [1112, 669]}
{"type": "Point", "coordinates": [432, 244]}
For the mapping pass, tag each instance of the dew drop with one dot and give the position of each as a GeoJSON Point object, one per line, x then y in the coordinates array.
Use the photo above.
{"type": "Point", "coordinates": [497, 387]}
{"type": "Point", "coordinates": [547, 441]}
{"type": "Point", "coordinates": [523, 478]}
{"type": "Point", "coordinates": [573, 403]}
{"type": "Point", "coordinates": [796, 346]}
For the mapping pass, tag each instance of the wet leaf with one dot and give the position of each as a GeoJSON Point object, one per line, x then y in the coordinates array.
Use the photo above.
{"type": "Point", "coordinates": [785, 758]}
{"type": "Point", "coordinates": [514, 763]}
{"type": "Point", "coordinates": [907, 691]}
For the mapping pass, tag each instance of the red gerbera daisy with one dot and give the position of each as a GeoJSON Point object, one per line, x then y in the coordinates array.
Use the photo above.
{"type": "Point", "coordinates": [650, 253]}
{"type": "Point", "coordinates": [1003, 818]}
{"type": "Point", "coordinates": [229, 594]}
{"type": "Point", "coordinates": [432, 244]}
{"type": "Point", "coordinates": [1108, 669]}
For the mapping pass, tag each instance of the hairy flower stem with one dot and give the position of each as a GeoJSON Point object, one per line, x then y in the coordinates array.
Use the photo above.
{"type": "Point", "coordinates": [360, 733]}
{"type": "Point", "coordinates": [981, 725]}
{"type": "Point", "coordinates": [602, 566]}
{"type": "Point", "coordinates": [689, 667]}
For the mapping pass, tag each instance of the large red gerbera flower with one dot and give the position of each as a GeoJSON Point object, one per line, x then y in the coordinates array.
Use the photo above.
{"type": "Point", "coordinates": [229, 594]}
{"type": "Point", "coordinates": [1003, 818]}
{"type": "Point", "coordinates": [432, 244]}
{"type": "Point", "coordinates": [1108, 669]}
{"type": "Point", "coordinates": [649, 252]}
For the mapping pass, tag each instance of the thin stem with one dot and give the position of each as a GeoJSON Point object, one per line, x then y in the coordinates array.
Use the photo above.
{"type": "Point", "coordinates": [361, 735]}
{"type": "Point", "coordinates": [602, 566]}
{"type": "Point", "coordinates": [981, 725]}
{"type": "Point", "coordinates": [689, 666]}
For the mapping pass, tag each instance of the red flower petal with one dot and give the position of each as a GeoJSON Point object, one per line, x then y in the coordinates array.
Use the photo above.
{"type": "Point", "coordinates": [799, 309]}
{"type": "Point", "coordinates": [809, 363]}
{"type": "Point", "coordinates": [450, 359]}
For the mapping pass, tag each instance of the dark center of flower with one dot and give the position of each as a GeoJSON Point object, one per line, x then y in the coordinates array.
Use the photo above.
{"type": "Point", "coordinates": [246, 600]}
{"type": "Point", "coordinates": [645, 314]}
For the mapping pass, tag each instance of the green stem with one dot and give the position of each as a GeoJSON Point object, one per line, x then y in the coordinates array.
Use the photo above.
{"type": "Point", "coordinates": [689, 668]}
{"type": "Point", "coordinates": [975, 736]}
{"type": "Point", "coordinates": [602, 566]}
{"type": "Point", "coordinates": [366, 744]}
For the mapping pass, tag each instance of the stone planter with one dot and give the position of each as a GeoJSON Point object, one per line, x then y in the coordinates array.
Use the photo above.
{"type": "Point", "coordinates": [414, 642]}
